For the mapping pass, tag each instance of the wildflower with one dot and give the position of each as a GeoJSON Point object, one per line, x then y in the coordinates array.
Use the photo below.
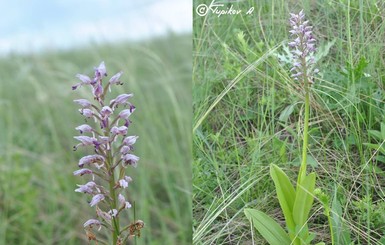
{"type": "Point", "coordinates": [303, 48]}
{"type": "Point", "coordinates": [108, 151]}
{"type": "Point", "coordinates": [96, 199]}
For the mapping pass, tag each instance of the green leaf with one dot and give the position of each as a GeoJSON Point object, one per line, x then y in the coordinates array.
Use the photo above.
{"type": "Point", "coordinates": [376, 147]}
{"type": "Point", "coordinates": [285, 114]}
{"type": "Point", "coordinates": [296, 162]}
{"type": "Point", "coordinates": [310, 238]}
{"type": "Point", "coordinates": [282, 152]}
{"type": "Point", "coordinates": [285, 193]}
{"type": "Point", "coordinates": [304, 200]}
{"type": "Point", "coordinates": [380, 159]}
{"type": "Point", "coordinates": [280, 147]}
{"type": "Point", "coordinates": [382, 240]}
{"type": "Point", "coordinates": [376, 134]}
{"type": "Point", "coordinates": [341, 233]}
{"type": "Point", "coordinates": [323, 50]}
{"type": "Point", "coordinates": [359, 68]}
{"type": "Point", "coordinates": [310, 161]}
{"type": "Point", "coordinates": [267, 227]}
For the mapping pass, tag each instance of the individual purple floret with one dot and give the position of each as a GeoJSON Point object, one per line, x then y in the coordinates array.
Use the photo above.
{"type": "Point", "coordinates": [130, 140]}
{"type": "Point", "coordinates": [119, 130]}
{"type": "Point", "coordinates": [124, 182]}
{"type": "Point", "coordinates": [303, 48]}
{"type": "Point", "coordinates": [120, 100]}
{"type": "Point", "coordinates": [87, 160]}
{"type": "Point", "coordinates": [96, 199]}
{"type": "Point", "coordinates": [123, 203]}
{"type": "Point", "coordinates": [84, 128]}
{"type": "Point", "coordinates": [115, 79]}
{"type": "Point", "coordinates": [83, 171]}
{"type": "Point", "coordinates": [112, 150]}
{"type": "Point", "coordinates": [130, 159]}
{"type": "Point", "coordinates": [88, 188]}
{"type": "Point", "coordinates": [83, 102]}
{"type": "Point", "coordinates": [92, 222]}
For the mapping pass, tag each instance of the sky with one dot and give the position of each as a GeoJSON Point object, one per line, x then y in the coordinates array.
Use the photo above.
{"type": "Point", "coordinates": [35, 25]}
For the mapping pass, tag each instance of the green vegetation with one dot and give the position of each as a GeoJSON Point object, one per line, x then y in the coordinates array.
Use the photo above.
{"type": "Point", "coordinates": [248, 114]}
{"type": "Point", "coordinates": [38, 204]}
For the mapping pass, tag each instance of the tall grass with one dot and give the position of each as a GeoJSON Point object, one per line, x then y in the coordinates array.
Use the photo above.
{"type": "Point", "coordinates": [248, 114]}
{"type": "Point", "coordinates": [38, 204]}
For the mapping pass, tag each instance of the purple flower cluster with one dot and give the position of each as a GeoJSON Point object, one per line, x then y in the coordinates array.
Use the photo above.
{"type": "Point", "coordinates": [113, 149]}
{"type": "Point", "coordinates": [303, 48]}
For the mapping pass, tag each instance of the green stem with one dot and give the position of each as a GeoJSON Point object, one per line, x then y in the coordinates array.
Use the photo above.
{"type": "Point", "coordinates": [115, 220]}
{"type": "Point", "coordinates": [330, 225]}
{"type": "Point", "coordinates": [111, 171]}
{"type": "Point", "coordinates": [302, 170]}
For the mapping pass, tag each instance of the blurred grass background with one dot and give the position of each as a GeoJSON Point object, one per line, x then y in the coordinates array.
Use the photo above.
{"type": "Point", "coordinates": [248, 114]}
{"type": "Point", "coordinates": [38, 204]}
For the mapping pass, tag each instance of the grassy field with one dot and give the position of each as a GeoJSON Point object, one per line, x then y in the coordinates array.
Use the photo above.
{"type": "Point", "coordinates": [38, 204]}
{"type": "Point", "coordinates": [248, 114]}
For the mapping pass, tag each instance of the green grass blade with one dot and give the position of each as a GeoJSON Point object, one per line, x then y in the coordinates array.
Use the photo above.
{"type": "Point", "coordinates": [376, 134]}
{"type": "Point", "coordinates": [383, 131]}
{"type": "Point", "coordinates": [241, 75]}
{"type": "Point", "coordinates": [267, 227]}
{"type": "Point", "coordinates": [376, 147]}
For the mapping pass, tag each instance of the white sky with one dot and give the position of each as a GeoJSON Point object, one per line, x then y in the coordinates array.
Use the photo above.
{"type": "Point", "coordinates": [33, 25]}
